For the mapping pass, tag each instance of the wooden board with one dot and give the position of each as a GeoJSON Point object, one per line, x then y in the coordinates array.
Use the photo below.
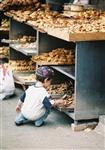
{"type": "Point", "coordinates": [59, 33]}
{"type": "Point", "coordinates": [65, 35]}
{"type": "Point", "coordinates": [95, 36]}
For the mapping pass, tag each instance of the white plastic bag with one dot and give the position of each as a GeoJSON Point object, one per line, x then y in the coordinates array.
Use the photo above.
{"type": "Point", "coordinates": [7, 86]}
{"type": "Point", "coordinates": [81, 2]}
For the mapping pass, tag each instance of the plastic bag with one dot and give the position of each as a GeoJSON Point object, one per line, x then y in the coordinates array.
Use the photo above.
{"type": "Point", "coordinates": [7, 86]}
{"type": "Point", "coordinates": [81, 2]}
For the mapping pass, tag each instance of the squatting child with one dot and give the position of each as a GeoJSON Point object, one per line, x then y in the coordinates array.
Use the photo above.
{"type": "Point", "coordinates": [35, 104]}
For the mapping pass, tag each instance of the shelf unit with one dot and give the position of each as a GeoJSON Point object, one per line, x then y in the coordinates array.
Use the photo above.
{"type": "Point", "coordinates": [88, 72]}
{"type": "Point", "coordinates": [18, 29]}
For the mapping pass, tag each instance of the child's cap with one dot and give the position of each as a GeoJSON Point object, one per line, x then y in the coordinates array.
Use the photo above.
{"type": "Point", "coordinates": [45, 72]}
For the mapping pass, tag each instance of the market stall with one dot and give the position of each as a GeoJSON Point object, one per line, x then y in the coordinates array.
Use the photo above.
{"type": "Point", "coordinates": [83, 35]}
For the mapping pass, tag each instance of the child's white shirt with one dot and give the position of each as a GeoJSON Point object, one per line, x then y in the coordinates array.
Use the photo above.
{"type": "Point", "coordinates": [33, 107]}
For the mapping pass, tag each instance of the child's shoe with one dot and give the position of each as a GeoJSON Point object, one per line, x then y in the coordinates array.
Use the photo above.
{"type": "Point", "coordinates": [39, 122]}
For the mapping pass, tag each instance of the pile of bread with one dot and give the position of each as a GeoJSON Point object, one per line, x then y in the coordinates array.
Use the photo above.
{"type": "Point", "coordinates": [4, 25]}
{"type": "Point", "coordinates": [44, 19]}
{"type": "Point", "coordinates": [68, 101]}
{"type": "Point", "coordinates": [22, 65]}
{"type": "Point", "coordinates": [67, 90]}
{"type": "Point", "coordinates": [37, 17]}
{"type": "Point", "coordinates": [4, 51]}
{"type": "Point", "coordinates": [87, 21]}
{"type": "Point", "coordinates": [40, 16]}
{"type": "Point", "coordinates": [6, 4]}
{"type": "Point", "coordinates": [63, 88]}
{"type": "Point", "coordinates": [26, 45]}
{"type": "Point", "coordinates": [24, 39]}
{"type": "Point", "coordinates": [55, 57]}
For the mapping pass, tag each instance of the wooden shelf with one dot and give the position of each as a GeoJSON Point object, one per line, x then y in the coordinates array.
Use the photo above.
{"type": "Point", "coordinates": [59, 33]}
{"type": "Point", "coordinates": [95, 36]}
{"type": "Point", "coordinates": [63, 33]}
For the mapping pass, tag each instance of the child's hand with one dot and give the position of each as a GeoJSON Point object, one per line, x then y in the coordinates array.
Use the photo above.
{"type": "Point", "coordinates": [59, 102]}
{"type": "Point", "coordinates": [18, 108]}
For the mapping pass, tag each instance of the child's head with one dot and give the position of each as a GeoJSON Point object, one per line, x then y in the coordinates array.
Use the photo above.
{"type": "Point", "coordinates": [44, 74]}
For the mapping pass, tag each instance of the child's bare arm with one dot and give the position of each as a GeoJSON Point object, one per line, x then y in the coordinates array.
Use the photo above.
{"type": "Point", "coordinates": [19, 105]}
{"type": "Point", "coordinates": [49, 103]}
{"type": "Point", "coordinates": [20, 102]}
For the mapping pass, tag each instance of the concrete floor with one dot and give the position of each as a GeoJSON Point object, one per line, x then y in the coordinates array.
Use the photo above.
{"type": "Point", "coordinates": [56, 134]}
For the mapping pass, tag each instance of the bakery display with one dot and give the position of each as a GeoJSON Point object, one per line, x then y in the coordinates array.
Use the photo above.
{"type": "Point", "coordinates": [9, 4]}
{"type": "Point", "coordinates": [82, 19]}
{"type": "Point", "coordinates": [79, 22]}
{"type": "Point", "coordinates": [68, 101]}
{"type": "Point", "coordinates": [87, 21]}
{"type": "Point", "coordinates": [22, 65]}
{"type": "Point", "coordinates": [58, 56]}
{"type": "Point", "coordinates": [61, 89]}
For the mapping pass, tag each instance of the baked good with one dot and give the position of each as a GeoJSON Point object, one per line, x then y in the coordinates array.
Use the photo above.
{"type": "Point", "coordinates": [22, 65]}
{"type": "Point", "coordinates": [57, 56]}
